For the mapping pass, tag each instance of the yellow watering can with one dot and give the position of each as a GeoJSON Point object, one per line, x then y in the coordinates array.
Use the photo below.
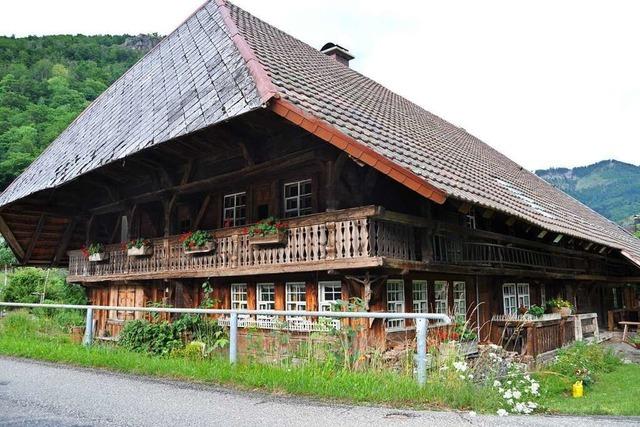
{"type": "Point", "coordinates": [577, 389]}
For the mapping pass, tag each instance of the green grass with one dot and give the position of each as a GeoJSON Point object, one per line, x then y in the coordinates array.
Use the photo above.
{"type": "Point", "coordinates": [314, 381]}
{"type": "Point", "coordinates": [614, 393]}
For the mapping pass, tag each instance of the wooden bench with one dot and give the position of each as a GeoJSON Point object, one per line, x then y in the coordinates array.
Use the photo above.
{"type": "Point", "coordinates": [626, 326]}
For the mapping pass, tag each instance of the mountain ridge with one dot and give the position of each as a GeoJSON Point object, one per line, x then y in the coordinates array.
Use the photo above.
{"type": "Point", "coordinates": [610, 187]}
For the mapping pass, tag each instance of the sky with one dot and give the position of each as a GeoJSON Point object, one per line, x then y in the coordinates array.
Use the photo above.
{"type": "Point", "coordinates": [546, 82]}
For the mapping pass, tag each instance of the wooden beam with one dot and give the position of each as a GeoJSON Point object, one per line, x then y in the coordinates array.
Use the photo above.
{"type": "Point", "coordinates": [284, 162]}
{"type": "Point", "coordinates": [186, 176]}
{"type": "Point", "coordinates": [115, 229]}
{"type": "Point", "coordinates": [202, 211]}
{"type": "Point", "coordinates": [11, 240]}
{"type": "Point", "coordinates": [34, 238]}
{"type": "Point", "coordinates": [64, 242]}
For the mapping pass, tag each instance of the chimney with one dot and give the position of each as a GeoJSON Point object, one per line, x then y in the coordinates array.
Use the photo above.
{"type": "Point", "coordinates": [338, 53]}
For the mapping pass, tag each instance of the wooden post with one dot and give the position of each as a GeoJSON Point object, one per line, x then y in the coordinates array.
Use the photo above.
{"type": "Point", "coordinates": [562, 337]}
{"type": "Point", "coordinates": [235, 250]}
{"type": "Point", "coordinates": [531, 340]}
{"type": "Point", "coordinates": [331, 240]}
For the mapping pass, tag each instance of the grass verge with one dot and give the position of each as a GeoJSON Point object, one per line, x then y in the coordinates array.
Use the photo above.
{"type": "Point", "coordinates": [615, 393]}
{"type": "Point", "coordinates": [313, 381]}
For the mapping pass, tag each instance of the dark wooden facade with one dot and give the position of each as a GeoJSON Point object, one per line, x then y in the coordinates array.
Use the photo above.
{"type": "Point", "coordinates": [362, 231]}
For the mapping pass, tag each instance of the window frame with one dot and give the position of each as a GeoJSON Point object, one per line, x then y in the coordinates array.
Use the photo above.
{"type": "Point", "coordinates": [236, 220]}
{"type": "Point", "coordinates": [297, 211]}
{"type": "Point", "coordinates": [300, 305]}
{"type": "Point", "coordinates": [237, 304]}
{"type": "Point", "coordinates": [420, 297]}
{"type": "Point", "coordinates": [397, 305]}
{"type": "Point", "coordinates": [522, 295]}
{"type": "Point", "coordinates": [441, 305]}
{"type": "Point", "coordinates": [460, 303]}
{"type": "Point", "coordinates": [325, 304]}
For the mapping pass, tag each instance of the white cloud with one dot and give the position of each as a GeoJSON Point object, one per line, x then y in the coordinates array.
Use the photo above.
{"type": "Point", "coordinates": [547, 83]}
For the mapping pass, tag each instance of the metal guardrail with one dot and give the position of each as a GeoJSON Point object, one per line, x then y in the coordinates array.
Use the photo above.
{"type": "Point", "coordinates": [421, 319]}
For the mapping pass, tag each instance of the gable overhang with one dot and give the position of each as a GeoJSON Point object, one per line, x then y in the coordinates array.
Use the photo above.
{"type": "Point", "coordinates": [334, 136]}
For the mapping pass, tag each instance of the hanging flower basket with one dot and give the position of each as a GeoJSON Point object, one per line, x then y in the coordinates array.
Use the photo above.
{"type": "Point", "coordinates": [99, 257]}
{"type": "Point", "coordinates": [197, 242]}
{"type": "Point", "coordinates": [278, 238]}
{"type": "Point", "coordinates": [267, 232]}
{"type": "Point", "coordinates": [95, 252]}
{"type": "Point", "coordinates": [139, 247]}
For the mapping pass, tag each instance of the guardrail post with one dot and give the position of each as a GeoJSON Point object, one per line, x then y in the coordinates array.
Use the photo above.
{"type": "Point", "coordinates": [421, 336]}
{"type": "Point", "coordinates": [88, 331]}
{"type": "Point", "coordinates": [233, 338]}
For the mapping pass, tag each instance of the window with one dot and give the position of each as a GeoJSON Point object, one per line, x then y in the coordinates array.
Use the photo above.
{"type": "Point", "coordinates": [460, 300]}
{"type": "Point", "coordinates": [266, 299]}
{"type": "Point", "coordinates": [395, 303]}
{"type": "Point", "coordinates": [515, 296]}
{"type": "Point", "coordinates": [297, 198]}
{"type": "Point", "coordinates": [235, 210]}
{"type": "Point", "coordinates": [543, 296]}
{"type": "Point", "coordinates": [523, 295]}
{"type": "Point", "coordinates": [296, 296]}
{"type": "Point", "coordinates": [266, 293]}
{"type": "Point", "coordinates": [441, 294]}
{"type": "Point", "coordinates": [419, 293]}
{"type": "Point", "coordinates": [509, 298]}
{"type": "Point", "coordinates": [239, 296]}
{"type": "Point", "coordinates": [329, 293]}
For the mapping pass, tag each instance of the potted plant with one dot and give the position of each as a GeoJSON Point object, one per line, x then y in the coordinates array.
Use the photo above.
{"type": "Point", "coordinates": [267, 232]}
{"type": "Point", "coordinates": [536, 311]}
{"type": "Point", "coordinates": [559, 305]}
{"type": "Point", "coordinates": [197, 242]}
{"type": "Point", "coordinates": [95, 252]}
{"type": "Point", "coordinates": [139, 247]}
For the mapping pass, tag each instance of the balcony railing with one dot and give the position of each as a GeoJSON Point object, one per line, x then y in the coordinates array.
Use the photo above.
{"type": "Point", "coordinates": [349, 238]}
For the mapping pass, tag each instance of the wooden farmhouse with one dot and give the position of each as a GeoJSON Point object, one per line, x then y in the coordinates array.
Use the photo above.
{"type": "Point", "coordinates": [229, 121]}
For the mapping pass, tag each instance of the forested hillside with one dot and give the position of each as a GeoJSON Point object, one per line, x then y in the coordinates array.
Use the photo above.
{"type": "Point", "coordinates": [45, 82]}
{"type": "Point", "coordinates": [610, 187]}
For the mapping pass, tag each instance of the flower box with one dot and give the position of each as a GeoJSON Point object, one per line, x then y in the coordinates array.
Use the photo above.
{"type": "Point", "coordinates": [143, 250]}
{"type": "Point", "coordinates": [99, 257]}
{"type": "Point", "coordinates": [278, 238]}
{"type": "Point", "coordinates": [206, 248]}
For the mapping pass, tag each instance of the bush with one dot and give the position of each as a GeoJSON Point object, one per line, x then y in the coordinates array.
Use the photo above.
{"type": "Point", "coordinates": [27, 284]}
{"type": "Point", "coordinates": [584, 362]}
{"type": "Point", "coordinates": [163, 338]}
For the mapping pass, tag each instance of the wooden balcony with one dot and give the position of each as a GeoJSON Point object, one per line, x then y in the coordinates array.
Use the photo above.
{"type": "Point", "coordinates": [350, 238]}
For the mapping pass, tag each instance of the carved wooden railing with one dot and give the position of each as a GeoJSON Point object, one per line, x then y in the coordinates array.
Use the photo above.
{"type": "Point", "coordinates": [345, 236]}
{"type": "Point", "coordinates": [535, 337]}
{"type": "Point", "coordinates": [450, 250]}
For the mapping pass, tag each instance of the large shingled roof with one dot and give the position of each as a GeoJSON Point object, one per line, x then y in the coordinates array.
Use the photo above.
{"type": "Point", "coordinates": [223, 62]}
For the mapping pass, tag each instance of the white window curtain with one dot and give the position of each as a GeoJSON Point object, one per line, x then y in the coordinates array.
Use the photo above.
{"type": "Point", "coordinates": [441, 294]}
{"type": "Point", "coordinates": [460, 301]}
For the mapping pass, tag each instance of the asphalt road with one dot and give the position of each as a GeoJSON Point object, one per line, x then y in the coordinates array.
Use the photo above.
{"type": "Point", "coordinates": [42, 394]}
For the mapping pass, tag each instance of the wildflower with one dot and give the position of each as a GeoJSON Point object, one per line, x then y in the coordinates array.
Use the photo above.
{"type": "Point", "coordinates": [496, 383]}
{"type": "Point", "coordinates": [472, 413]}
{"type": "Point", "coordinates": [507, 394]}
{"type": "Point", "coordinates": [460, 366]}
{"type": "Point", "coordinates": [502, 413]}
{"type": "Point", "coordinates": [532, 405]}
{"type": "Point", "coordinates": [516, 394]}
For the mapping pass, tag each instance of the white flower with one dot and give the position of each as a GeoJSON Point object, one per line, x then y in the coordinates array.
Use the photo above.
{"type": "Point", "coordinates": [496, 383]}
{"type": "Point", "coordinates": [470, 376]}
{"type": "Point", "coordinates": [444, 368]}
{"type": "Point", "coordinates": [532, 405]}
{"type": "Point", "coordinates": [502, 413]}
{"type": "Point", "coordinates": [460, 366]}
{"type": "Point", "coordinates": [462, 377]}
{"type": "Point", "coordinates": [516, 394]}
{"type": "Point", "coordinates": [472, 413]}
{"type": "Point", "coordinates": [507, 394]}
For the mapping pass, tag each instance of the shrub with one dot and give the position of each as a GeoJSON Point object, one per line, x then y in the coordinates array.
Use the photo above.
{"type": "Point", "coordinates": [163, 338]}
{"type": "Point", "coordinates": [27, 284]}
{"type": "Point", "coordinates": [583, 362]}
